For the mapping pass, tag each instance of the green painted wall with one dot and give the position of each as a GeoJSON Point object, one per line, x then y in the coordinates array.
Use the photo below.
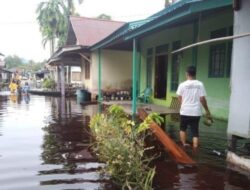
{"type": "Point", "coordinates": [218, 89]}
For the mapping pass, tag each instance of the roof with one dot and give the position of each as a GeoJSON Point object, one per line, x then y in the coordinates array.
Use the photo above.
{"type": "Point", "coordinates": [89, 31]}
{"type": "Point", "coordinates": [60, 51]}
{"type": "Point", "coordinates": [5, 70]}
{"type": "Point", "coordinates": [171, 14]}
{"type": "Point", "coordinates": [128, 27]}
{"type": "Point", "coordinates": [177, 11]}
{"type": "Point", "coordinates": [44, 71]}
{"type": "Point", "coordinates": [2, 63]}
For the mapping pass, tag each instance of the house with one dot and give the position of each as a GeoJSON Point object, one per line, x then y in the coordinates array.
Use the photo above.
{"type": "Point", "coordinates": [180, 24]}
{"type": "Point", "coordinates": [83, 33]}
{"type": "Point", "coordinates": [2, 64]}
{"type": "Point", "coordinates": [158, 60]}
{"type": "Point", "coordinates": [5, 74]}
{"type": "Point", "coordinates": [216, 39]}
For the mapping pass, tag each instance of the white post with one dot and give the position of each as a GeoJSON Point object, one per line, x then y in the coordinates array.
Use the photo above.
{"type": "Point", "coordinates": [62, 79]}
{"type": "Point", "coordinates": [239, 109]}
{"type": "Point", "coordinates": [69, 74]}
{"type": "Point", "coordinates": [58, 86]}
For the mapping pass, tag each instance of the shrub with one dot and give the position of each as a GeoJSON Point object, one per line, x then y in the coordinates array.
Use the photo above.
{"type": "Point", "coordinates": [49, 83]}
{"type": "Point", "coordinates": [120, 144]}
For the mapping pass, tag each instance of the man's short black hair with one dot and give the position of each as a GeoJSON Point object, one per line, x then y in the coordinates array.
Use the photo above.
{"type": "Point", "coordinates": [191, 71]}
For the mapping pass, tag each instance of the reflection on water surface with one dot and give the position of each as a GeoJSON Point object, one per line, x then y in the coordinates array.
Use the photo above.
{"type": "Point", "coordinates": [44, 144]}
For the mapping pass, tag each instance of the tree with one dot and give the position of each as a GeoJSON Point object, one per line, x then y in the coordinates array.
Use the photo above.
{"type": "Point", "coordinates": [50, 19]}
{"type": "Point", "coordinates": [20, 63]}
{"type": "Point", "coordinates": [13, 61]}
{"type": "Point", "coordinates": [104, 17]}
{"type": "Point", "coordinates": [53, 20]}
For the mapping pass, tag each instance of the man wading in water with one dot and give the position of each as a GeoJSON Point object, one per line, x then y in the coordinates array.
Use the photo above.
{"type": "Point", "coordinates": [191, 94]}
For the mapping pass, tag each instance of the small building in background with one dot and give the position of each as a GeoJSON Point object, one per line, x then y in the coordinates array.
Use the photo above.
{"type": "Point", "coordinates": [82, 34]}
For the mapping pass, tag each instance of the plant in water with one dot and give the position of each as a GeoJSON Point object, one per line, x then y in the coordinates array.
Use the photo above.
{"type": "Point", "coordinates": [120, 144]}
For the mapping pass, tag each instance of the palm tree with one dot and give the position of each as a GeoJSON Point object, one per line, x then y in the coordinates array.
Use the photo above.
{"type": "Point", "coordinates": [53, 20]}
{"type": "Point", "coordinates": [49, 18]}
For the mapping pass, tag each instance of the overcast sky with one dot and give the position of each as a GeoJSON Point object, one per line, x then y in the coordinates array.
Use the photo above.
{"type": "Point", "coordinates": [19, 31]}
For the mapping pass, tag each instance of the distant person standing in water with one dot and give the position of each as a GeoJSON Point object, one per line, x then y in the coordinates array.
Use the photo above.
{"type": "Point", "coordinates": [191, 95]}
{"type": "Point", "coordinates": [26, 88]}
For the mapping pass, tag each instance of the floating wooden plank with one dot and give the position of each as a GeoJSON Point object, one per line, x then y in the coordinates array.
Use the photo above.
{"type": "Point", "coordinates": [177, 153]}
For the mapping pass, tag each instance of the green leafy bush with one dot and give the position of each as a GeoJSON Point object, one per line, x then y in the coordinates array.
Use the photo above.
{"type": "Point", "coordinates": [120, 143]}
{"type": "Point", "coordinates": [49, 83]}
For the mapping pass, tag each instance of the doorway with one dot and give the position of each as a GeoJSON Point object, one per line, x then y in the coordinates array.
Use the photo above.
{"type": "Point", "coordinates": [161, 66]}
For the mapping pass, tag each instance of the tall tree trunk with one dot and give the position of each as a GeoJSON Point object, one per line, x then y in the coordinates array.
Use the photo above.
{"type": "Point", "coordinates": [52, 46]}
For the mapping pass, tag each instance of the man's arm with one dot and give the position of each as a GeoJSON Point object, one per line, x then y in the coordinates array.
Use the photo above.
{"type": "Point", "coordinates": [180, 99]}
{"type": "Point", "coordinates": [204, 104]}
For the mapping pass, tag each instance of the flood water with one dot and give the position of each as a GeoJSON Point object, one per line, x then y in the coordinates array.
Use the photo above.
{"type": "Point", "coordinates": [44, 144]}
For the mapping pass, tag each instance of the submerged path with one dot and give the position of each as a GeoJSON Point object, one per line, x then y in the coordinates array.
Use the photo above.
{"type": "Point", "coordinates": [44, 144]}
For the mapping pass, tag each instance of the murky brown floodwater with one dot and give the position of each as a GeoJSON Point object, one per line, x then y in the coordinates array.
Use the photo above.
{"type": "Point", "coordinates": [44, 144]}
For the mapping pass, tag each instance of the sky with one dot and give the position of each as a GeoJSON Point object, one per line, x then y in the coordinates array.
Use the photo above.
{"type": "Point", "coordinates": [19, 30]}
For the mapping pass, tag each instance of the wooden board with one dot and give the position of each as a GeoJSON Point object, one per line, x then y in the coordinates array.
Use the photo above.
{"type": "Point", "coordinates": [177, 153]}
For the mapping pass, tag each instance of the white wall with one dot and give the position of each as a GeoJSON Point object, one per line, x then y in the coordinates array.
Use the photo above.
{"type": "Point", "coordinates": [239, 112]}
{"type": "Point", "coordinates": [116, 70]}
{"type": "Point", "coordinates": [75, 70]}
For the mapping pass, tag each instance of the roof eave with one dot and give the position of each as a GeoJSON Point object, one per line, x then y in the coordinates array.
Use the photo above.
{"type": "Point", "coordinates": [189, 8]}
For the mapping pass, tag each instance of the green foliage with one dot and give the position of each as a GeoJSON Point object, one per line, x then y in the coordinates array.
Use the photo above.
{"type": "Point", "coordinates": [104, 17]}
{"type": "Point", "coordinates": [49, 83]}
{"type": "Point", "coordinates": [152, 117]}
{"type": "Point", "coordinates": [123, 153]}
{"type": "Point", "coordinates": [13, 61]}
{"type": "Point", "coordinates": [18, 62]}
{"type": "Point", "coordinates": [53, 20]}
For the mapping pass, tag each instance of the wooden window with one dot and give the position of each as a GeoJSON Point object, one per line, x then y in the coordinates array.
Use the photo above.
{"type": "Point", "coordinates": [175, 66]}
{"type": "Point", "coordinates": [217, 60]}
{"type": "Point", "coordinates": [220, 54]}
{"type": "Point", "coordinates": [149, 62]}
{"type": "Point", "coordinates": [76, 76]}
{"type": "Point", "coordinates": [229, 53]}
{"type": "Point", "coordinates": [229, 58]}
{"type": "Point", "coordinates": [219, 33]}
{"type": "Point", "coordinates": [87, 70]}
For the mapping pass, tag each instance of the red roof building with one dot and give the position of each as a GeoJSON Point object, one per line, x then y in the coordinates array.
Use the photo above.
{"type": "Point", "coordinates": [88, 31]}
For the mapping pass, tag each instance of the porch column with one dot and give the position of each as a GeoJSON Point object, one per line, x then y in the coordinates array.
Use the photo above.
{"type": "Point", "coordinates": [69, 74]}
{"type": "Point", "coordinates": [99, 77]}
{"type": "Point", "coordinates": [139, 71]}
{"type": "Point", "coordinates": [62, 79]}
{"type": "Point", "coordinates": [134, 77]}
{"type": "Point", "coordinates": [58, 86]}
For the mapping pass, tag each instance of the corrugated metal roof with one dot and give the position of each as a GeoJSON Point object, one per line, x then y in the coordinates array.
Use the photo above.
{"type": "Point", "coordinates": [170, 14]}
{"type": "Point", "coordinates": [131, 26]}
{"type": "Point", "coordinates": [128, 27]}
{"type": "Point", "coordinates": [5, 70]}
{"type": "Point", "coordinates": [173, 7]}
{"type": "Point", "coordinates": [176, 11]}
{"type": "Point", "coordinates": [89, 31]}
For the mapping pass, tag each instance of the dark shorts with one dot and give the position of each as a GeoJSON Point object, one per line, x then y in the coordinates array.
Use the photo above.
{"type": "Point", "coordinates": [193, 122]}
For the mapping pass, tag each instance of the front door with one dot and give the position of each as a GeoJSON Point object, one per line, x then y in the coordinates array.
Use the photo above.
{"type": "Point", "coordinates": [161, 65]}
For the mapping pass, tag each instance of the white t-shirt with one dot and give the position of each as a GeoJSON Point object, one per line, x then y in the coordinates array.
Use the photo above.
{"type": "Point", "coordinates": [191, 91]}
